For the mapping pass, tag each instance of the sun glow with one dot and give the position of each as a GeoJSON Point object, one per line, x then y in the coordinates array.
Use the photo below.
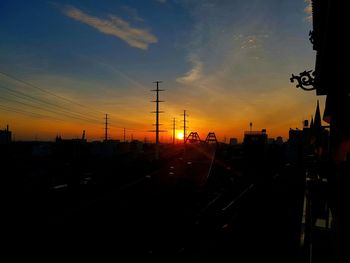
{"type": "Point", "coordinates": [180, 135]}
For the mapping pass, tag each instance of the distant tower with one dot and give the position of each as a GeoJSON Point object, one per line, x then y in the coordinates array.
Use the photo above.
{"type": "Point", "coordinates": [184, 115]}
{"type": "Point", "coordinates": [250, 126]}
{"type": "Point", "coordinates": [157, 111]}
{"type": "Point", "coordinates": [106, 127]}
{"type": "Point", "coordinates": [174, 129]}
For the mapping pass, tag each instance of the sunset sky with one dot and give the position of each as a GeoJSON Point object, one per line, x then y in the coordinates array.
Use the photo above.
{"type": "Point", "coordinates": [64, 64]}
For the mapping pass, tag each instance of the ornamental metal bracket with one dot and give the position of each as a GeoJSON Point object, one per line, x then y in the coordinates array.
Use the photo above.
{"type": "Point", "coordinates": [306, 78]}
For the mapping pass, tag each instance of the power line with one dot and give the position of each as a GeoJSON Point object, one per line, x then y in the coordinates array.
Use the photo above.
{"type": "Point", "coordinates": [60, 111]}
{"type": "Point", "coordinates": [25, 96]}
{"type": "Point", "coordinates": [46, 116]}
{"type": "Point", "coordinates": [45, 91]}
{"type": "Point", "coordinates": [50, 110]}
{"type": "Point", "coordinates": [28, 113]}
{"type": "Point", "coordinates": [52, 94]}
{"type": "Point", "coordinates": [128, 129]}
{"type": "Point", "coordinates": [96, 119]}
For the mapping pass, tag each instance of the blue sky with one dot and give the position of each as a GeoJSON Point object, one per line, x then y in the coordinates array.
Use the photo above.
{"type": "Point", "coordinates": [227, 62]}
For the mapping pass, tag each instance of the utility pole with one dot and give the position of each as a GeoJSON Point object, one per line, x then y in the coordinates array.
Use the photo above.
{"type": "Point", "coordinates": [184, 115]}
{"type": "Point", "coordinates": [157, 111]}
{"type": "Point", "coordinates": [124, 134]}
{"type": "Point", "coordinates": [106, 127]}
{"type": "Point", "coordinates": [174, 128]}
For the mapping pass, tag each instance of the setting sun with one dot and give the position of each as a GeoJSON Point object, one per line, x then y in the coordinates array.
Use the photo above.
{"type": "Point", "coordinates": [180, 135]}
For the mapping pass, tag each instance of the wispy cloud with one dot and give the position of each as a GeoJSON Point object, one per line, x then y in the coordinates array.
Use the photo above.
{"type": "Point", "coordinates": [115, 26]}
{"type": "Point", "coordinates": [308, 10]}
{"type": "Point", "coordinates": [194, 74]}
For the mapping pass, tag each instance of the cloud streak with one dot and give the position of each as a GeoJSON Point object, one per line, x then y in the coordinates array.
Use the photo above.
{"type": "Point", "coordinates": [115, 26]}
{"type": "Point", "coordinates": [194, 74]}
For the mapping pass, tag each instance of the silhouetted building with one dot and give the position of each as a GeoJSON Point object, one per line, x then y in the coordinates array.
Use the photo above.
{"type": "Point", "coordinates": [42, 149]}
{"type": "Point", "coordinates": [233, 141]}
{"type": "Point", "coordinates": [279, 140]}
{"type": "Point", "coordinates": [311, 141]}
{"type": "Point", "coordinates": [123, 147]}
{"type": "Point", "coordinates": [5, 136]}
{"type": "Point", "coordinates": [330, 25]}
{"type": "Point", "coordinates": [296, 145]}
{"type": "Point", "coordinates": [318, 135]}
{"type": "Point", "coordinates": [254, 143]}
{"type": "Point", "coordinates": [136, 146]}
{"type": "Point", "coordinates": [271, 141]}
{"type": "Point", "coordinates": [71, 148]}
{"type": "Point", "coordinates": [106, 148]}
{"type": "Point", "coordinates": [331, 71]}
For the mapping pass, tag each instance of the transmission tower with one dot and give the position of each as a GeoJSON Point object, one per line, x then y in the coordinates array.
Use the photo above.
{"type": "Point", "coordinates": [174, 129]}
{"type": "Point", "coordinates": [184, 116]}
{"type": "Point", "coordinates": [106, 127]}
{"type": "Point", "coordinates": [157, 111]}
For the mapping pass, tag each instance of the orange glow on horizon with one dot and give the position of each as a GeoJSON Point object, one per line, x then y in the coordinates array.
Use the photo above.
{"type": "Point", "coordinates": [137, 124]}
